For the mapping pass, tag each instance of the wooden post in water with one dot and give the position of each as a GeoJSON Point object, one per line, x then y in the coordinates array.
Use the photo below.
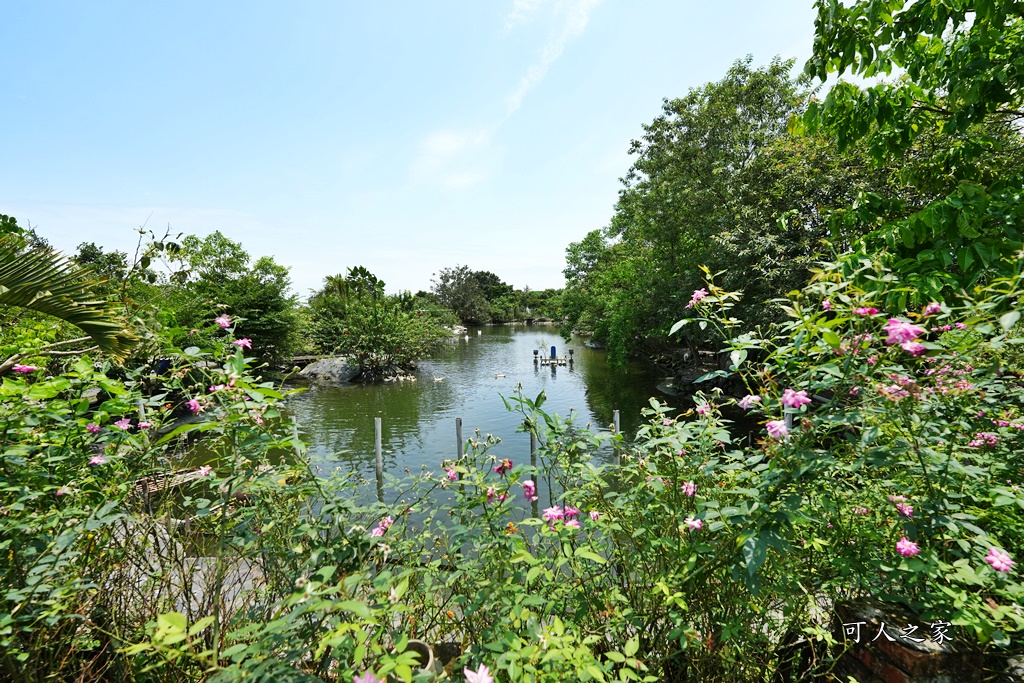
{"type": "Point", "coordinates": [380, 458]}
{"type": "Point", "coordinates": [533, 463]}
{"type": "Point", "coordinates": [615, 430]}
{"type": "Point", "coordinates": [458, 437]}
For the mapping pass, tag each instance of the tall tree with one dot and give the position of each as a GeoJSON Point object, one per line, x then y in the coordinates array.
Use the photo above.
{"type": "Point", "coordinates": [458, 289]}
{"type": "Point", "coordinates": [960, 99]}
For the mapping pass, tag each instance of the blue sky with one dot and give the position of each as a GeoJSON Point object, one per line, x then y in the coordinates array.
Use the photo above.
{"type": "Point", "coordinates": [403, 136]}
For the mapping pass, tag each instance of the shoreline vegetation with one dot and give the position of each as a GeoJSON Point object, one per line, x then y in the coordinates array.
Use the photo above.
{"type": "Point", "coordinates": [843, 265]}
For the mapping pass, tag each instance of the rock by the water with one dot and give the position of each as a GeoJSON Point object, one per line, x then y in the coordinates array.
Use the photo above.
{"type": "Point", "coordinates": [332, 370]}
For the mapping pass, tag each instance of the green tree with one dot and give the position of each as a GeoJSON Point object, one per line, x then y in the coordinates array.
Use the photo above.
{"type": "Point", "coordinates": [458, 289]}
{"type": "Point", "coordinates": [960, 91]}
{"type": "Point", "coordinates": [222, 279]}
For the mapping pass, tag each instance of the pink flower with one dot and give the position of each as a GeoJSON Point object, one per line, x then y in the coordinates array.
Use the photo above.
{"type": "Point", "coordinates": [932, 308]}
{"type": "Point", "coordinates": [914, 348]}
{"type": "Point", "coordinates": [123, 423]}
{"type": "Point", "coordinates": [749, 401]}
{"type": "Point", "coordinates": [794, 399]}
{"type": "Point", "coordinates": [897, 499]}
{"type": "Point", "coordinates": [63, 491]}
{"type": "Point", "coordinates": [529, 490]}
{"type": "Point", "coordinates": [689, 489]}
{"type": "Point", "coordinates": [97, 460]}
{"type": "Point", "coordinates": [223, 320]}
{"type": "Point", "coordinates": [777, 429]}
{"type": "Point", "coordinates": [24, 369]}
{"type": "Point", "coordinates": [866, 310]}
{"type": "Point", "coordinates": [502, 497]}
{"type": "Point", "coordinates": [906, 547]}
{"type": "Point", "coordinates": [901, 331]}
{"type": "Point", "coordinates": [666, 423]}
{"type": "Point", "coordinates": [573, 524]}
{"type": "Point", "coordinates": [552, 513]}
{"type": "Point", "coordinates": [92, 428]}
{"type": "Point", "coordinates": [145, 425]}
{"type": "Point", "coordinates": [217, 387]}
{"type": "Point", "coordinates": [960, 326]}
{"type": "Point", "coordinates": [382, 526]}
{"type": "Point", "coordinates": [367, 677]}
{"type": "Point", "coordinates": [826, 304]}
{"type": "Point", "coordinates": [698, 295]}
{"type": "Point", "coordinates": [594, 515]}
{"type": "Point", "coordinates": [859, 510]}
{"type": "Point", "coordinates": [452, 474]}
{"type": "Point", "coordinates": [571, 512]}
{"type": "Point", "coordinates": [905, 510]}
{"type": "Point", "coordinates": [694, 524]}
{"type": "Point", "coordinates": [872, 360]}
{"type": "Point", "coordinates": [703, 409]}
{"type": "Point", "coordinates": [193, 405]}
{"type": "Point", "coordinates": [999, 560]}
{"type": "Point", "coordinates": [504, 466]}
{"type": "Point", "coordinates": [243, 343]}
{"type": "Point", "coordinates": [481, 675]}
{"type": "Point", "coordinates": [490, 495]}
{"type": "Point", "coordinates": [204, 471]}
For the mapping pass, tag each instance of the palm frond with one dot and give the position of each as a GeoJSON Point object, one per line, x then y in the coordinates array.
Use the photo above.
{"type": "Point", "coordinates": [42, 280]}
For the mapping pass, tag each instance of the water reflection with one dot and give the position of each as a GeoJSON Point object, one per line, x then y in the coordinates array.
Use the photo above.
{"type": "Point", "coordinates": [467, 380]}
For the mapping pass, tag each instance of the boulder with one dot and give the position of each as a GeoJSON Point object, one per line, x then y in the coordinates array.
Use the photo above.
{"type": "Point", "coordinates": [330, 370]}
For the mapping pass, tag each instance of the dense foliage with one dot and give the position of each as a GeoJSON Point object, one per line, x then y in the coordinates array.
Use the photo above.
{"type": "Point", "coordinates": [353, 316]}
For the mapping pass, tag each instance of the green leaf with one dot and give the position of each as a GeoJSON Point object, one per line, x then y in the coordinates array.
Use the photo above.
{"type": "Point", "coordinates": [679, 325]}
{"type": "Point", "coordinates": [1008, 320]}
{"type": "Point", "coordinates": [590, 555]}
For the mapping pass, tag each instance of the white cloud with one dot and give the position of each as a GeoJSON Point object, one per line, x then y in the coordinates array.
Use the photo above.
{"type": "Point", "coordinates": [458, 159]}
{"type": "Point", "coordinates": [455, 159]}
{"type": "Point", "coordinates": [574, 15]}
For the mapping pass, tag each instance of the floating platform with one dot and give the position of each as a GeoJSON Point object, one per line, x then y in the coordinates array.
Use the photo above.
{"type": "Point", "coordinates": [554, 361]}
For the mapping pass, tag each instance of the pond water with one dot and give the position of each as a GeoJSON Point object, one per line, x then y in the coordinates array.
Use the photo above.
{"type": "Point", "coordinates": [467, 380]}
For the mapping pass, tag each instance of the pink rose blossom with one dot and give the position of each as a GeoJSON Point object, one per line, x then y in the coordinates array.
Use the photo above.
{"type": "Point", "coordinates": [698, 295]}
{"type": "Point", "coordinates": [123, 423]}
{"type": "Point", "coordinates": [572, 524]}
{"type": "Point", "coordinates": [502, 497]}
{"type": "Point", "coordinates": [777, 429]}
{"type": "Point", "coordinates": [749, 401]}
{"type": "Point", "coordinates": [194, 406]}
{"type": "Point", "coordinates": [452, 474]}
{"type": "Point", "coordinates": [223, 320]}
{"type": "Point", "coordinates": [901, 331]}
{"type": "Point", "coordinates": [145, 425]}
{"type": "Point", "coordinates": [490, 495]}
{"type": "Point", "coordinates": [906, 547]}
{"type": "Point", "coordinates": [204, 471]}
{"type": "Point", "coordinates": [571, 512]}
{"type": "Point", "coordinates": [694, 524]}
{"type": "Point", "coordinates": [97, 460]}
{"type": "Point", "coordinates": [914, 348]}
{"type": "Point", "coordinates": [92, 428]}
{"type": "Point", "coordinates": [960, 326]}
{"type": "Point", "coordinates": [932, 308]}
{"type": "Point", "coordinates": [481, 675]}
{"type": "Point", "coordinates": [794, 399]}
{"type": "Point", "coordinates": [504, 466]}
{"type": "Point", "coordinates": [826, 304]}
{"type": "Point", "coordinates": [367, 677]}
{"type": "Point", "coordinates": [594, 515]}
{"type": "Point", "coordinates": [905, 510]}
{"type": "Point", "coordinates": [529, 490]}
{"type": "Point", "coordinates": [243, 343]}
{"type": "Point", "coordinates": [866, 310]}
{"type": "Point", "coordinates": [24, 369]}
{"type": "Point", "coordinates": [552, 513]}
{"type": "Point", "coordinates": [999, 560]}
{"type": "Point", "coordinates": [689, 489]}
